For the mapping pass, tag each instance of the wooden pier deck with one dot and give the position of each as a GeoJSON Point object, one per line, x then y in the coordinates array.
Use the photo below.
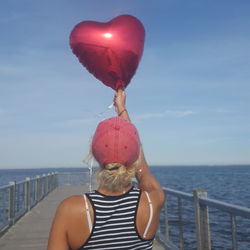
{"type": "Point", "coordinates": [32, 230]}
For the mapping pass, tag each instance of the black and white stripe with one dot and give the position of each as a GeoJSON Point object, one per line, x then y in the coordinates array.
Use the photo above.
{"type": "Point", "coordinates": [114, 224]}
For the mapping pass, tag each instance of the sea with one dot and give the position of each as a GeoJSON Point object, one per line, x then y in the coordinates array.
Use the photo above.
{"type": "Point", "coordinates": [225, 183]}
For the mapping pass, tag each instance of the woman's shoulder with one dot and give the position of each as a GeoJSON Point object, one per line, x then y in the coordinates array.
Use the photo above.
{"type": "Point", "coordinates": [71, 204]}
{"type": "Point", "coordinates": [71, 200]}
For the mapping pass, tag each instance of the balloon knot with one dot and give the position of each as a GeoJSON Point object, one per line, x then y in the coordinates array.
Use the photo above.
{"type": "Point", "coordinates": [119, 85]}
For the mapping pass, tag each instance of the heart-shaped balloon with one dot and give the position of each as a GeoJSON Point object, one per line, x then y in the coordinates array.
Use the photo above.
{"type": "Point", "coordinates": [110, 51]}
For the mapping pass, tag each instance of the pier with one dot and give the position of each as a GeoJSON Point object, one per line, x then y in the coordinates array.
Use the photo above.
{"type": "Point", "coordinates": [27, 209]}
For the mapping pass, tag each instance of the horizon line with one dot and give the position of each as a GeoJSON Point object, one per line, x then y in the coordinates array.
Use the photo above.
{"type": "Point", "coordinates": [150, 165]}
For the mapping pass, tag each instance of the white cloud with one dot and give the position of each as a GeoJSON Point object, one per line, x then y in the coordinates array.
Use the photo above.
{"type": "Point", "coordinates": [173, 113]}
{"type": "Point", "coordinates": [222, 110]}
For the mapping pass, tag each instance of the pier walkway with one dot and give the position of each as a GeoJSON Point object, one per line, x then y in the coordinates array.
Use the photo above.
{"type": "Point", "coordinates": [32, 230]}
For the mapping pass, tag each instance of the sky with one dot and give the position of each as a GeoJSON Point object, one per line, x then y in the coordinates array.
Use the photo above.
{"type": "Point", "coordinates": [189, 97]}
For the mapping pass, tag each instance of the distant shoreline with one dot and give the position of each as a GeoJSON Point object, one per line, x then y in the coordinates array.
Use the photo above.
{"type": "Point", "coordinates": [169, 165]}
{"type": "Point", "coordinates": [203, 165]}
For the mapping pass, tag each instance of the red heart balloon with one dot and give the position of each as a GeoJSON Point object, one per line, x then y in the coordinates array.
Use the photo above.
{"type": "Point", "coordinates": [110, 51]}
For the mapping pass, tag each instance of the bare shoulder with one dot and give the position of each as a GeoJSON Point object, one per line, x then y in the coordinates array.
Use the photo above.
{"type": "Point", "coordinates": [70, 205]}
{"type": "Point", "coordinates": [72, 200]}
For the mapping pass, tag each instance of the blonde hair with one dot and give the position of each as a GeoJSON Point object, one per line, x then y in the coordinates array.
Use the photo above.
{"type": "Point", "coordinates": [114, 177]}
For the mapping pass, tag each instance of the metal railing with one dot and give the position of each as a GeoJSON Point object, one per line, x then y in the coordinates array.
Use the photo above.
{"type": "Point", "coordinates": [75, 178]}
{"type": "Point", "coordinates": [17, 198]}
{"type": "Point", "coordinates": [201, 205]}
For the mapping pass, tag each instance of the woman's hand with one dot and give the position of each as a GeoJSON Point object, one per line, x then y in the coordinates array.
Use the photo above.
{"type": "Point", "coordinates": [120, 104]}
{"type": "Point", "coordinates": [120, 100]}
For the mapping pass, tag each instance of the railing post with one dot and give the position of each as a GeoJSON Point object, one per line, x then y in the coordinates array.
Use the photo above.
{"type": "Point", "coordinates": [51, 182]}
{"type": "Point", "coordinates": [166, 218]}
{"type": "Point", "coordinates": [181, 237]}
{"type": "Point", "coordinates": [43, 185]}
{"type": "Point", "coordinates": [27, 193]}
{"type": "Point", "coordinates": [69, 179]}
{"type": "Point", "coordinates": [37, 188]}
{"type": "Point", "coordinates": [56, 177]}
{"type": "Point", "coordinates": [202, 221]}
{"type": "Point", "coordinates": [47, 183]}
{"type": "Point", "coordinates": [12, 202]}
{"type": "Point", "coordinates": [55, 181]}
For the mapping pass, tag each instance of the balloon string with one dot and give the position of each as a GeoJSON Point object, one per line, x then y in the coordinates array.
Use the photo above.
{"type": "Point", "coordinates": [89, 159]}
{"type": "Point", "coordinates": [106, 110]}
{"type": "Point", "coordinates": [111, 105]}
{"type": "Point", "coordinates": [91, 174]}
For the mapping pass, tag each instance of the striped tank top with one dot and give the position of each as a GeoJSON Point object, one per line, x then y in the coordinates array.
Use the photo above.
{"type": "Point", "coordinates": [115, 222]}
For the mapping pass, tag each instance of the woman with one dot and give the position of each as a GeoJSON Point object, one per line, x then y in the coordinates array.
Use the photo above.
{"type": "Point", "coordinates": [116, 215]}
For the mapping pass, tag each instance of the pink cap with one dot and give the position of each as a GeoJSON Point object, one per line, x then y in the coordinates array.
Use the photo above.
{"type": "Point", "coordinates": [116, 140]}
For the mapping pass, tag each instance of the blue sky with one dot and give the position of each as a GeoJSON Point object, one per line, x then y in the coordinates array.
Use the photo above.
{"type": "Point", "coordinates": [189, 98]}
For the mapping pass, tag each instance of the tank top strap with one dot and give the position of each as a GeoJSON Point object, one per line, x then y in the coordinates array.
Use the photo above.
{"type": "Point", "coordinates": [88, 213]}
{"type": "Point", "coordinates": [150, 214]}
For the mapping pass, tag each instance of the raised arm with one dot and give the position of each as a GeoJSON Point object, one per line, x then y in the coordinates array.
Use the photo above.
{"type": "Point", "coordinates": [146, 180]}
{"type": "Point", "coordinates": [120, 104]}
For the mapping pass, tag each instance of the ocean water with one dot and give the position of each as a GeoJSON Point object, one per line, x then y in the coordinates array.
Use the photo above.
{"type": "Point", "coordinates": [226, 183]}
